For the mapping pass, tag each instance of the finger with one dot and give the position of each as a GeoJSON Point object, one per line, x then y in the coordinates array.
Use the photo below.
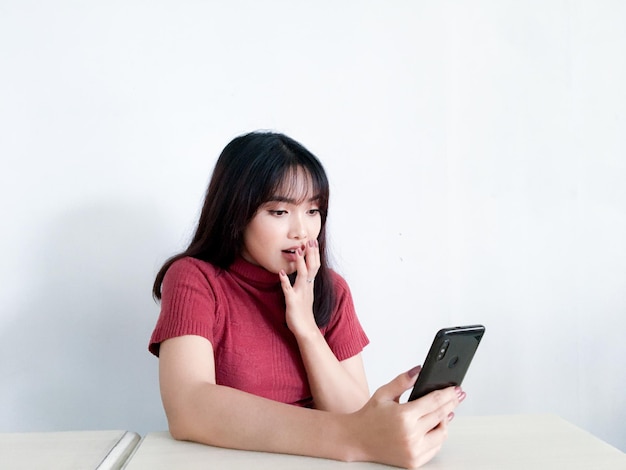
{"type": "Point", "coordinates": [431, 445]}
{"type": "Point", "coordinates": [437, 407]}
{"type": "Point", "coordinates": [435, 438]}
{"type": "Point", "coordinates": [284, 282]}
{"type": "Point", "coordinates": [312, 258]}
{"type": "Point", "coordinates": [394, 389]}
{"type": "Point", "coordinates": [301, 267]}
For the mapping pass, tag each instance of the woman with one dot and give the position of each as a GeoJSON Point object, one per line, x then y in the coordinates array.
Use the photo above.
{"type": "Point", "coordinates": [253, 322]}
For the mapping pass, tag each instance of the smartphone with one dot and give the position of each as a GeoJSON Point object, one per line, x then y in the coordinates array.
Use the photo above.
{"type": "Point", "coordinates": [448, 359]}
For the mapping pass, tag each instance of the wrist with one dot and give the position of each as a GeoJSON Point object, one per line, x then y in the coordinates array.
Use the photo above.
{"type": "Point", "coordinates": [307, 335]}
{"type": "Point", "coordinates": [351, 446]}
{"type": "Point", "coordinates": [341, 438]}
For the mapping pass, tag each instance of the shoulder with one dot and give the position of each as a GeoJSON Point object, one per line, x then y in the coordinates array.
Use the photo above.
{"type": "Point", "coordinates": [344, 333]}
{"type": "Point", "coordinates": [189, 266]}
{"type": "Point", "coordinates": [188, 302]}
{"type": "Point", "coordinates": [339, 283]}
{"type": "Point", "coordinates": [341, 293]}
{"type": "Point", "coordinates": [190, 272]}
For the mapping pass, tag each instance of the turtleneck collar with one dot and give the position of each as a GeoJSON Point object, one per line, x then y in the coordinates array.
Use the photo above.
{"type": "Point", "coordinates": [253, 274]}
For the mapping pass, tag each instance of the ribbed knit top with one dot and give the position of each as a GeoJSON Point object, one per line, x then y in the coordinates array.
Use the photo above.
{"type": "Point", "coordinates": [241, 311]}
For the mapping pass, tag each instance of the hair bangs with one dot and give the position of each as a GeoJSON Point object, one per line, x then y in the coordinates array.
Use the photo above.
{"type": "Point", "coordinates": [296, 184]}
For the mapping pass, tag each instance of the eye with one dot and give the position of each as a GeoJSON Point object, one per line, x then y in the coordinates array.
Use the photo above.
{"type": "Point", "coordinates": [277, 212]}
{"type": "Point", "coordinates": [314, 211]}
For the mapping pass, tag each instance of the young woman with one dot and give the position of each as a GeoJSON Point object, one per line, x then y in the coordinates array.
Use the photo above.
{"type": "Point", "coordinates": [258, 342]}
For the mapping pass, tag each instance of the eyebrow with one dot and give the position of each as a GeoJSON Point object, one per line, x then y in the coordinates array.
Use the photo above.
{"type": "Point", "coordinates": [290, 200]}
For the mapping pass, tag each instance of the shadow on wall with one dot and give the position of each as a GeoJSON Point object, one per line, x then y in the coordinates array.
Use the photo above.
{"type": "Point", "coordinates": [76, 354]}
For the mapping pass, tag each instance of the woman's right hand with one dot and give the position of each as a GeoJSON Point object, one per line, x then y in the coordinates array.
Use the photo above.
{"type": "Point", "coordinates": [406, 435]}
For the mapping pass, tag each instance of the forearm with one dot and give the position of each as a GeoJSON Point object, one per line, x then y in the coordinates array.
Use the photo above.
{"type": "Point", "coordinates": [226, 417]}
{"type": "Point", "coordinates": [335, 386]}
{"type": "Point", "coordinates": [332, 386]}
{"type": "Point", "coordinates": [381, 431]}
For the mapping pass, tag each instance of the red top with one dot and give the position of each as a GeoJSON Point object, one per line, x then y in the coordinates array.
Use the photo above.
{"type": "Point", "coordinates": [241, 311]}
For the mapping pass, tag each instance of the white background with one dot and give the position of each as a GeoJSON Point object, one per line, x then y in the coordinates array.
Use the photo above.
{"type": "Point", "coordinates": [477, 155]}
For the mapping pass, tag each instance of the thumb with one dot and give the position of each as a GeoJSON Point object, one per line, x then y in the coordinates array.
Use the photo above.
{"type": "Point", "coordinates": [394, 389]}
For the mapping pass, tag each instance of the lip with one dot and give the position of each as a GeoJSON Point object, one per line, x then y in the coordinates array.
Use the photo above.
{"type": "Point", "coordinates": [292, 250]}
{"type": "Point", "coordinates": [290, 253]}
{"type": "Point", "coordinates": [290, 256]}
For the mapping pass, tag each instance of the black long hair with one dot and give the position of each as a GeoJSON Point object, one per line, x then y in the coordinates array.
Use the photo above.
{"type": "Point", "coordinates": [249, 171]}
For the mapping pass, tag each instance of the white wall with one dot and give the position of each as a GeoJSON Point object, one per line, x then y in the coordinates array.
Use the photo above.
{"type": "Point", "coordinates": [477, 156]}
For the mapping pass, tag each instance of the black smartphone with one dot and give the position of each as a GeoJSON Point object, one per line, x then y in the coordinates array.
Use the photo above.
{"type": "Point", "coordinates": [448, 359]}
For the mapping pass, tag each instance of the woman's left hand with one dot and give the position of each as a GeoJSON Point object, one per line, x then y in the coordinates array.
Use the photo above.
{"type": "Point", "coordinates": [299, 297]}
{"type": "Point", "coordinates": [337, 386]}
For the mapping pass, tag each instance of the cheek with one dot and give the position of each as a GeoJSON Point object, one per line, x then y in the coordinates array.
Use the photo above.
{"type": "Point", "coordinates": [252, 238]}
{"type": "Point", "coordinates": [316, 228]}
{"type": "Point", "coordinates": [262, 233]}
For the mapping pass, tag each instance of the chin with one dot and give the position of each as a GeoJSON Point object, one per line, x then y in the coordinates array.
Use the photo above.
{"type": "Point", "coordinates": [290, 269]}
{"type": "Point", "coordinates": [277, 268]}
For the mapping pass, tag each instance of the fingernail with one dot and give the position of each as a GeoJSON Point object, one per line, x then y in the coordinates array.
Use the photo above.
{"type": "Point", "coordinates": [299, 251]}
{"type": "Point", "coordinates": [460, 393]}
{"type": "Point", "coordinates": [312, 243]}
{"type": "Point", "coordinates": [451, 416]}
{"type": "Point", "coordinates": [416, 370]}
{"type": "Point", "coordinates": [282, 272]}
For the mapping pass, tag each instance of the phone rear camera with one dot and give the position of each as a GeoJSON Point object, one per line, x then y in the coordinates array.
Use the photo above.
{"type": "Point", "coordinates": [443, 349]}
{"type": "Point", "coordinates": [453, 362]}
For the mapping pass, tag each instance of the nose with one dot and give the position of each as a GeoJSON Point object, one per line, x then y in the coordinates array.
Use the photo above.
{"type": "Point", "coordinates": [297, 229]}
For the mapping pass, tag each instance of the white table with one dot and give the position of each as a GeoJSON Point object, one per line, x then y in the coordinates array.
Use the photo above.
{"type": "Point", "coordinates": [526, 442]}
{"type": "Point", "coordinates": [75, 450]}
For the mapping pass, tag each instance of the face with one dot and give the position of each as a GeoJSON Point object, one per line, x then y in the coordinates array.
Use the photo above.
{"type": "Point", "coordinates": [279, 227]}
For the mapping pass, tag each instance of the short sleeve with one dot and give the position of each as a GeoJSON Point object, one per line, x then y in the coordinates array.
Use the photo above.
{"type": "Point", "coordinates": [188, 305]}
{"type": "Point", "coordinates": [344, 334]}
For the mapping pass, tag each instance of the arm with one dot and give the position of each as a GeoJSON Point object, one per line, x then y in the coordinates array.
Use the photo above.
{"type": "Point", "coordinates": [382, 431]}
{"type": "Point", "coordinates": [199, 410]}
{"type": "Point", "coordinates": [339, 386]}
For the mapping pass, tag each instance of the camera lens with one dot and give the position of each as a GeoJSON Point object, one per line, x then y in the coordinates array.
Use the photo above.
{"type": "Point", "coordinates": [443, 349]}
